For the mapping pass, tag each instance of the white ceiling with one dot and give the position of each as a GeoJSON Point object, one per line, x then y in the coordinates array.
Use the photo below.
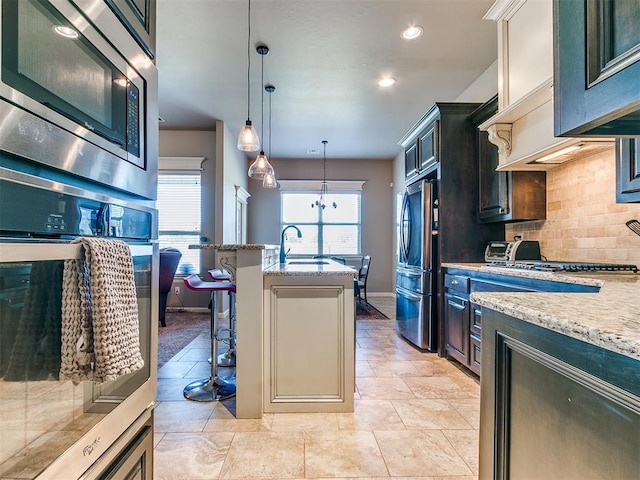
{"type": "Point", "coordinates": [325, 59]}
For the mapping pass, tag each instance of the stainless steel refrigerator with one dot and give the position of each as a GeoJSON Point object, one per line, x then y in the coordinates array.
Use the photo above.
{"type": "Point", "coordinates": [415, 275]}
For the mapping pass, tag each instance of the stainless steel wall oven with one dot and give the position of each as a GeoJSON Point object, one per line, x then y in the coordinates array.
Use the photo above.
{"type": "Point", "coordinates": [52, 428]}
{"type": "Point", "coordinates": [77, 93]}
{"type": "Point", "coordinates": [78, 158]}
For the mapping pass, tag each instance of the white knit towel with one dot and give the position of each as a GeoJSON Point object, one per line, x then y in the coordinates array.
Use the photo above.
{"type": "Point", "coordinates": [100, 325]}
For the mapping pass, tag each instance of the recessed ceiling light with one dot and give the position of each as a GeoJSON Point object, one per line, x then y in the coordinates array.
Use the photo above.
{"type": "Point", "coordinates": [412, 31]}
{"type": "Point", "coordinates": [386, 82]}
{"type": "Point", "coordinates": [313, 151]}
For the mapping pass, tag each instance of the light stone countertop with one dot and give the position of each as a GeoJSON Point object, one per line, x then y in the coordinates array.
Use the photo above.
{"type": "Point", "coordinates": [609, 318]}
{"type": "Point", "coordinates": [330, 268]}
{"type": "Point", "coordinates": [231, 246]}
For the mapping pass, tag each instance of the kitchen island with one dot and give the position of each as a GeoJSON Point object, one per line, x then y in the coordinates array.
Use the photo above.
{"type": "Point", "coordinates": [560, 378]}
{"type": "Point", "coordinates": [294, 331]}
{"type": "Point", "coordinates": [309, 337]}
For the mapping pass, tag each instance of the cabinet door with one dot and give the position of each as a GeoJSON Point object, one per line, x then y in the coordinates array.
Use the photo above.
{"type": "Point", "coordinates": [475, 350]}
{"type": "Point", "coordinates": [628, 170]}
{"type": "Point", "coordinates": [493, 201]}
{"type": "Point", "coordinates": [456, 318]}
{"type": "Point", "coordinates": [411, 161]}
{"type": "Point", "coordinates": [428, 151]}
{"type": "Point", "coordinates": [597, 68]}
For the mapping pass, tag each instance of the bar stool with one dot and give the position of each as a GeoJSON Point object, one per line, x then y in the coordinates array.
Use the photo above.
{"type": "Point", "coordinates": [228, 358]}
{"type": "Point", "coordinates": [214, 387]}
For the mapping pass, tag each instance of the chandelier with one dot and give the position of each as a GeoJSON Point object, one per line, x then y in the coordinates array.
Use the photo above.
{"type": "Point", "coordinates": [324, 190]}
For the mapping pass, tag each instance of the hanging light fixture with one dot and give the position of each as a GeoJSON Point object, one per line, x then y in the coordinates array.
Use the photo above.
{"type": "Point", "coordinates": [321, 202]}
{"type": "Point", "coordinates": [269, 180]}
{"type": "Point", "coordinates": [248, 140]}
{"type": "Point", "coordinates": [261, 165]}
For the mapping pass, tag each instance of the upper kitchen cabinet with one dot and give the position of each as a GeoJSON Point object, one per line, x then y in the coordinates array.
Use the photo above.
{"type": "Point", "coordinates": [523, 128]}
{"type": "Point", "coordinates": [597, 68]}
{"type": "Point", "coordinates": [139, 18]}
{"type": "Point", "coordinates": [504, 196]}
{"type": "Point", "coordinates": [421, 154]}
{"type": "Point", "coordinates": [628, 170]}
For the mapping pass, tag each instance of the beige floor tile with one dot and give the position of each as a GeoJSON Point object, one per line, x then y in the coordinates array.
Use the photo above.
{"type": "Point", "coordinates": [190, 456]}
{"type": "Point", "coordinates": [182, 416]}
{"type": "Point", "coordinates": [369, 354]}
{"type": "Point", "coordinates": [434, 368]}
{"type": "Point", "coordinates": [424, 414]}
{"type": "Point", "coordinates": [466, 444]}
{"type": "Point", "coordinates": [265, 455]}
{"type": "Point", "coordinates": [416, 414]}
{"type": "Point", "coordinates": [469, 409]}
{"type": "Point", "coordinates": [223, 420]}
{"type": "Point", "coordinates": [383, 388]}
{"type": "Point", "coordinates": [442, 387]}
{"type": "Point", "coordinates": [387, 368]}
{"type": "Point", "coordinates": [344, 453]}
{"type": "Point", "coordinates": [371, 415]}
{"type": "Point", "coordinates": [411, 453]}
{"type": "Point", "coordinates": [303, 422]}
{"type": "Point", "coordinates": [175, 369]}
{"type": "Point", "coordinates": [363, 369]}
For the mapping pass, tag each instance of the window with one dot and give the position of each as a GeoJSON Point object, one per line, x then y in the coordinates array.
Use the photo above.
{"type": "Point", "coordinates": [332, 231]}
{"type": "Point", "coordinates": [179, 217]}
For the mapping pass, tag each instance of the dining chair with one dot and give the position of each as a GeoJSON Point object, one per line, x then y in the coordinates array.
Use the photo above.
{"type": "Point", "coordinates": [169, 260]}
{"type": "Point", "coordinates": [363, 274]}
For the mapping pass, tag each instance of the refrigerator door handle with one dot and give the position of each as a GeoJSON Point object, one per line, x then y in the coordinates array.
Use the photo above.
{"type": "Point", "coordinates": [405, 226]}
{"type": "Point", "coordinates": [408, 294]}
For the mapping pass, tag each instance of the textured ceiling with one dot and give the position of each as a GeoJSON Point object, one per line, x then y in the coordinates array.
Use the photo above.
{"type": "Point", "coordinates": [325, 59]}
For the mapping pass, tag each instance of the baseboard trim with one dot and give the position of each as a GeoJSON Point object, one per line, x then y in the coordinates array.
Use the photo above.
{"type": "Point", "coordinates": [223, 314]}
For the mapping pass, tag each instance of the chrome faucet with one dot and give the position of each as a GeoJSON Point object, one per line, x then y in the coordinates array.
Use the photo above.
{"type": "Point", "coordinates": [283, 254]}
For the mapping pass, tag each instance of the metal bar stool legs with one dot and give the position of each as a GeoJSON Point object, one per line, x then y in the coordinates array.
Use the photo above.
{"type": "Point", "coordinates": [228, 357]}
{"type": "Point", "coordinates": [215, 387]}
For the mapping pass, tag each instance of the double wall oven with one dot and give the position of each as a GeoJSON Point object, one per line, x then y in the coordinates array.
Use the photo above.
{"type": "Point", "coordinates": [78, 157]}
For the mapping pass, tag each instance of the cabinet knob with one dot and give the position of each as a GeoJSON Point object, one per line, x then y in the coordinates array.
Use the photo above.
{"type": "Point", "coordinates": [454, 282]}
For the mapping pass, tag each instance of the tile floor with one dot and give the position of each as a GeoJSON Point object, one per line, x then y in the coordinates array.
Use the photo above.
{"type": "Point", "coordinates": [416, 417]}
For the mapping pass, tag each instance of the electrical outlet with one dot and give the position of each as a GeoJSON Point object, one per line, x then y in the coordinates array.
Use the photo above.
{"type": "Point", "coordinates": [176, 290]}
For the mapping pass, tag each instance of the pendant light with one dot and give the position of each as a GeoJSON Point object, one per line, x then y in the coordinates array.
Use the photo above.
{"type": "Point", "coordinates": [324, 190]}
{"type": "Point", "coordinates": [261, 165]}
{"type": "Point", "coordinates": [248, 140]}
{"type": "Point", "coordinates": [269, 180]}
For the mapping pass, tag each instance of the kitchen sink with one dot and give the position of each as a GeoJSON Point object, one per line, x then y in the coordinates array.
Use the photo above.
{"type": "Point", "coordinates": [308, 262]}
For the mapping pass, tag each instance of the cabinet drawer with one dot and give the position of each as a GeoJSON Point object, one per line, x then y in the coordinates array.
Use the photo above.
{"type": "Point", "coordinates": [458, 283]}
{"type": "Point", "coordinates": [475, 326]}
{"type": "Point", "coordinates": [475, 350]}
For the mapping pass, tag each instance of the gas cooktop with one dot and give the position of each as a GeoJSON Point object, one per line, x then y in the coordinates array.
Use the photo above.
{"type": "Point", "coordinates": [547, 266]}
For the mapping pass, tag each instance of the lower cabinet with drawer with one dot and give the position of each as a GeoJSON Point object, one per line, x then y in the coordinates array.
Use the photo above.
{"type": "Point", "coordinates": [463, 318]}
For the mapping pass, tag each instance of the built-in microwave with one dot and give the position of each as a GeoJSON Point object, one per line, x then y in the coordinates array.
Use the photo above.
{"type": "Point", "coordinates": [78, 92]}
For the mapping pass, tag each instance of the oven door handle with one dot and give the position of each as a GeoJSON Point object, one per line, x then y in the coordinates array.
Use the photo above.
{"type": "Point", "coordinates": [37, 252]}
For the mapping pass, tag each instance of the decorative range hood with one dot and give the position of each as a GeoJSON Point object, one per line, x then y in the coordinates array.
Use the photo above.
{"type": "Point", "coordinates": [523, 127]}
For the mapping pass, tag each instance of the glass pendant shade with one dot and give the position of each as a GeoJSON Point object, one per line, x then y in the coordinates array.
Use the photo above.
{"type": "Point", "coordinates": [248, 140]}
{"type": "Point", "coordinates": [269, 180]}
{"type": "Point", "coordinates": [260, 167]}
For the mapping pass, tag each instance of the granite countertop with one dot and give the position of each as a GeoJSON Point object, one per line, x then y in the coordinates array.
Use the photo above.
{"type": "Point", "coordinates": [291, 268]}
{"type": "Point", "coordinates": [609, 318]}
{"type": "Point", "coordinates": [231, 246]}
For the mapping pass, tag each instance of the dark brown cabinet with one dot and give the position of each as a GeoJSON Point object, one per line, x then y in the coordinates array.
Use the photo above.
{"type": "Point", "coordinates": [421, 156]}
{"type": "Point", "coordinates": [505, 196]}
{"type": "Point", "coordinates": [545, 394]}
{"type": "Point", "coordinates": [628, 170]}
{"type": "Point", "coordinates": [456, 310]}
{"type": "Point", "coordinates": [596, 68]}
{"type": "Point", "coordinates": [463, 318]}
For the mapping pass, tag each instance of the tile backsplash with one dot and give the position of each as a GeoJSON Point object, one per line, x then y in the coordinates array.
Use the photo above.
{"type": "Point", "coordinates": [584, 223]}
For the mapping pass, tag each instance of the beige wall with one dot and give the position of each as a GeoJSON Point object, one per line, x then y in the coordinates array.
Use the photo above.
{"type": "Point", "coordinates": [378, 229]}
{"type": "Point", "coordinates": [223, 168]}
{"type": "Point", "coordinates": [584, 223]}
{"type": "Point", "coordinates": [234, 172]}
